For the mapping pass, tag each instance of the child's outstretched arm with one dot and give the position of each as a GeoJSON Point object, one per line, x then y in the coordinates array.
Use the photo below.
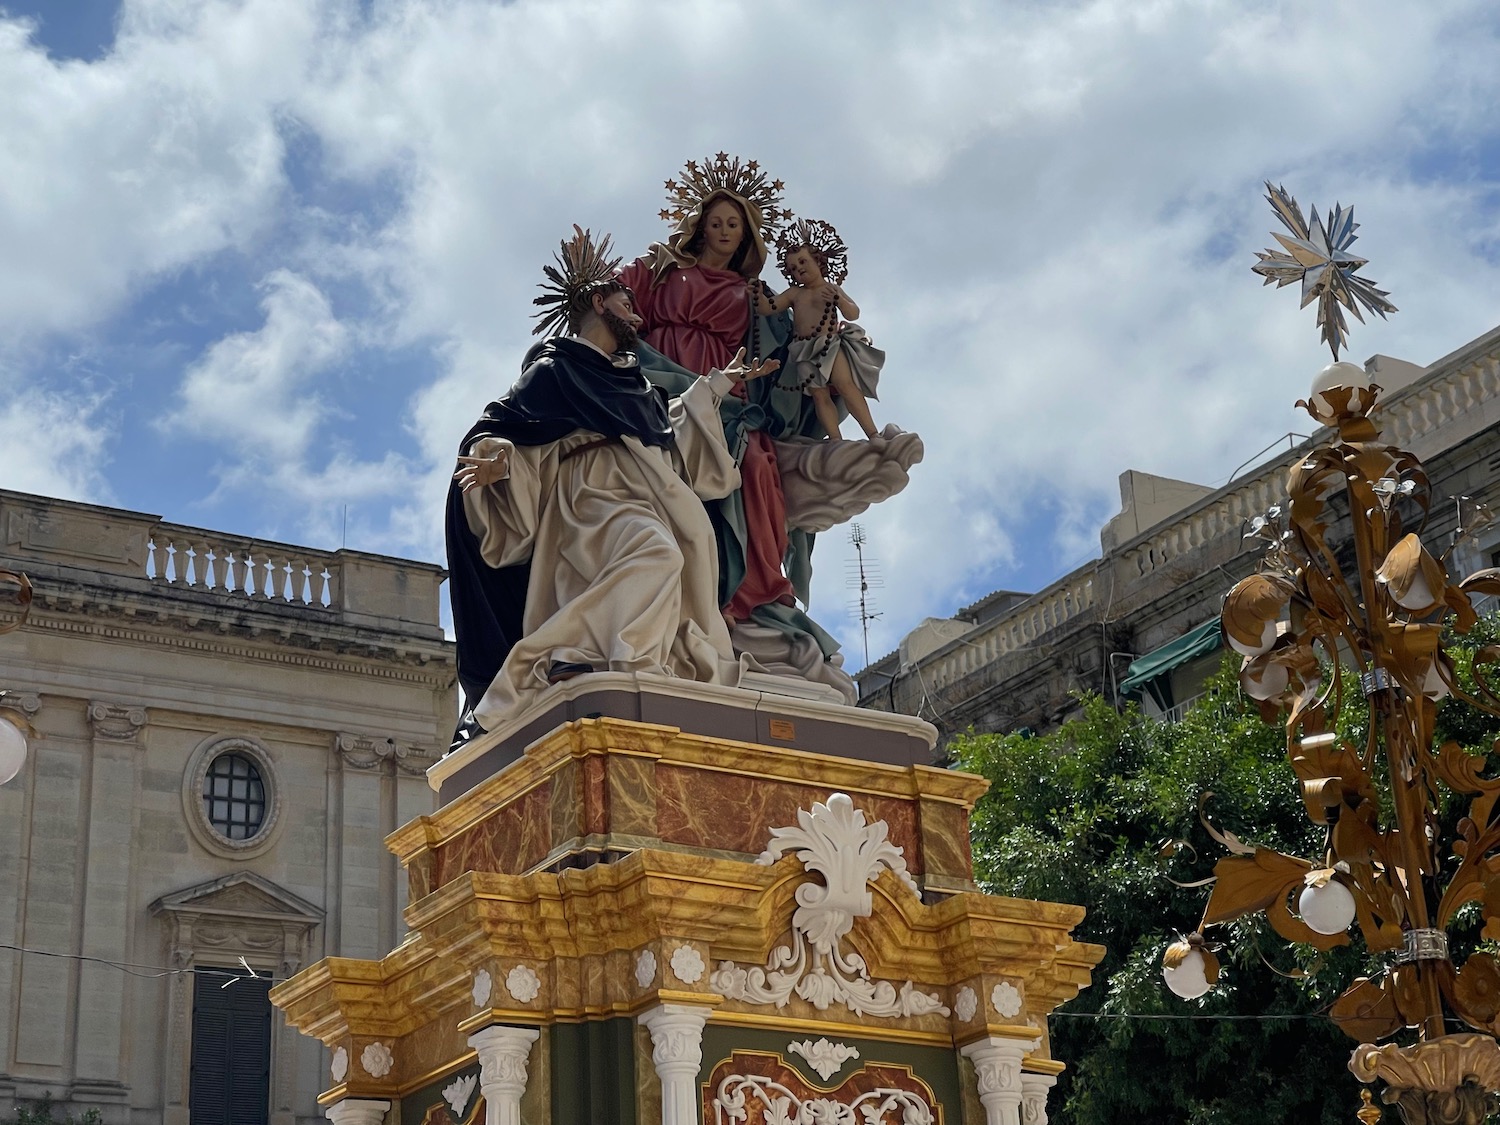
{"type": "Point", "coordinates": [847, 308]}
{"type": "Point", "coordinates": [766, 302]}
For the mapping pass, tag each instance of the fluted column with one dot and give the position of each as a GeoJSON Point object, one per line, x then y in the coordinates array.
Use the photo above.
{"type": "Point", "coordinates": [997, 1066]}
{"type": "Point", "coordinates": [1034, 1091]}
{"type": "Point", "coordinates": [503, 1054]}
{"type": "Point", "coordinates": [358, 1111]}
{"type": "Point", "coordinates": [677, 1052]}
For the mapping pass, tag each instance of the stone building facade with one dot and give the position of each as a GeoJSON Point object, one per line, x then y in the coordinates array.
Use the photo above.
{"type": "Point", "coordinates": [223, 733]}
{"type": "Point", "coordinates": [1013, 660]}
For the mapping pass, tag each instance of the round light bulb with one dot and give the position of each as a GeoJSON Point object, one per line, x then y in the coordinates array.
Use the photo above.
{"type": "Point", "coordinates": [1328, 909]}
{"type": "Point", "coordinates": [1189, 977]}
{"type": "Point", "coordinates": [1267, 683]}
{"type": "Point", "coordinates": [1435, 686]}
{"type": "Point", "coordinates": [1340, 374]}
{"type": "Point", "coordinates": [1267, 639]}
{"type": "Point", "coordinates": [12, 749]}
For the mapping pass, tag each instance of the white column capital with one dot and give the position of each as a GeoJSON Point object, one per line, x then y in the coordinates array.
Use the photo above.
{"type": "Point", "coordinates": [1034, 1091]}
{"type": "Point", "coordinates": [503, 1054]}
{"type": "Point", "coordinates": [677, 1052]}
{"type": "Point", "coordinates": [997, 1067]}
{"type": "Point", "coordinates": [357, 1111]}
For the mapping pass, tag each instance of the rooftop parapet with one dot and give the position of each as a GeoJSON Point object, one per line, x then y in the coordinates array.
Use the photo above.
{"type": "Point", "coordinates": [70, 543]}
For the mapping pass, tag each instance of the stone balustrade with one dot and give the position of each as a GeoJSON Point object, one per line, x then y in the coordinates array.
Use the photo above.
{"type": "Point", "coordinates": [132, 551]}
{"type": "Point", "coordinates": [206, 560]}
{"type": "Point", "coordinates": [1038, 615]}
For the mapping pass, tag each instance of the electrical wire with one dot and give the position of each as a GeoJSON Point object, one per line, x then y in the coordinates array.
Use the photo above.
{"type": "Point", "coordinates": [152, 972]}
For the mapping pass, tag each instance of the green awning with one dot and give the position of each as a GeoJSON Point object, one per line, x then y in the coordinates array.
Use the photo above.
{"type": "Point", "coordinates": [1200, 641]}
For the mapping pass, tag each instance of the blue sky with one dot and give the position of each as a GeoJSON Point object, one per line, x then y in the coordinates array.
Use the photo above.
{"type": "Point", "coordinates": [266, 259]}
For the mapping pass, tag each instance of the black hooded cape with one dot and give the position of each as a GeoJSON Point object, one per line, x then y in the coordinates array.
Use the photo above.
{"type": "Point", "coordinates": [565, 386]}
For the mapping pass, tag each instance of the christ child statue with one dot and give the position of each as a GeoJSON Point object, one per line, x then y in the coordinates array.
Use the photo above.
{"type": "Point", "coordinates": [825, 356]}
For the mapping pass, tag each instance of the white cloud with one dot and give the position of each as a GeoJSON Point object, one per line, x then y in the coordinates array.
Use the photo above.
{"type": "Point", "coordinates": [1051, 210]}
{"type": "Point", "coordinates": [54, 445]}
{"type": "Point", "coordinates": [252, 390]}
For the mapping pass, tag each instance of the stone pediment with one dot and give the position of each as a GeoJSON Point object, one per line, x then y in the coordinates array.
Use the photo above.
{"type": "Point", "coordinates": [243, 895]}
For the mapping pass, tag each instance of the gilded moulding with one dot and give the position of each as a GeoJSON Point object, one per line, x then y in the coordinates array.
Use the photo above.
{"type": "Point", "coordinates": [583, 925]}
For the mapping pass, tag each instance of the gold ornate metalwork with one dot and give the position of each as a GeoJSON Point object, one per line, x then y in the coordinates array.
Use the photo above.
{"type": "Point", "coordinates": [1443, 1081]}
{"type": "Point", "coordinates": [1384, 610]}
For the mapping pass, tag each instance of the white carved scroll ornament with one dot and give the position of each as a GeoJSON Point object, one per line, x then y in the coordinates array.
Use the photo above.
{"type": "Point", "coordinates": [779, 1106]}
{"type": "Point", "coordinates": [824, 1056]}
{"type": "Point", "coordinates": [834, 841]}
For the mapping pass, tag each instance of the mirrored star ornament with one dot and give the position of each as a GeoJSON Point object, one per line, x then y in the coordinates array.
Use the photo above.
{"type": "Point", "coordinates": [1318, 256]}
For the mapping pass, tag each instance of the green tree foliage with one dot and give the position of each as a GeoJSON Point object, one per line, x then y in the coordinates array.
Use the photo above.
{"type": "Point", "coordinates": [1081, 815]}
{"type": "Point", "coordinates": [40, 1113]}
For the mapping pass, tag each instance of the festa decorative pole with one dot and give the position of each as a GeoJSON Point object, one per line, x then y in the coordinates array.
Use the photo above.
{"type": "Point", "coordinates": [1328, 625]}
{"type": "Point", "coordinates": [13, 726]}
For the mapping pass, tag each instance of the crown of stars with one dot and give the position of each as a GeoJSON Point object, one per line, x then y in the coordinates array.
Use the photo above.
{"type": "Point", "coordinates": [1318, 256]}
{"type": "Point", "coordinates": [696, 182]}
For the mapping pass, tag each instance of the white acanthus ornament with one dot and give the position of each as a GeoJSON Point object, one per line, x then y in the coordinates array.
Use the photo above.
{"type": "Point", "coordinates": [377, 1058]}
{"type": "Point", "coordinates": [645, 968]}
{"type": "Point", "coordinates": [457, 1093]}
{"type": "Point", "coordinates": [823, 1056]}
{"type": "Point", "coordinates": [687, 964]}
{"type": "Point", "coordinates": [1005, 999]}
{"type": "Point", "coordinates": [734, 1101]}
{"type": "Point", "coordinates": [339, 1068]}
{"type": "Point", "coordinates": [966, 1003]}
{"type": "Point", "coordinates": [483, 986]}
{"type": "Point", "coordinates": [523, 984]}
{"type": "Point", "coordinates": [834, 841]}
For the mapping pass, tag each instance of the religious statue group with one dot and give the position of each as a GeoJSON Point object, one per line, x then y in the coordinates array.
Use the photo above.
{"type": "Point", "coordinates": [645, 497]}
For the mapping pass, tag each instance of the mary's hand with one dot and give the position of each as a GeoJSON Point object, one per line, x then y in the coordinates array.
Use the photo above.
{"type": "Point", "coordinates": [737, 368]}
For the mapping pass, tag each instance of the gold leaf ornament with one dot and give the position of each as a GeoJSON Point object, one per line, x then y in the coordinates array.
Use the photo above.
{"type": "Point", "coordinates": [1476, 991]}
{"type": "Point", "coordinates": [1251, 610]}
{"type": "Point", "coordinates": [1366, 1011]}
{"type": "Point", "coordinates": [1411, 576]}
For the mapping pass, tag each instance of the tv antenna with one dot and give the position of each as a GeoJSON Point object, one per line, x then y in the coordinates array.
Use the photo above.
{"type": "Point", "coordinates": [862, 574]}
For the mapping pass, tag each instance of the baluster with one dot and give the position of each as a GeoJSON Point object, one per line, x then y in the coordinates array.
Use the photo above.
{"type": "Point", "coordinates": [175, 563]}
{"type": "Point", "coordinates": [213, 567]}
{"type": "Point", "coordinates": [299, 581]}
{"type": "Point", "coordinates": [151, 567]}
{"type": "Point", "coordinates": [226, 570]}
{"type": "Point", "coordinates": [255, 575]}
{"type": "Point", "coordinates": [332, 591]}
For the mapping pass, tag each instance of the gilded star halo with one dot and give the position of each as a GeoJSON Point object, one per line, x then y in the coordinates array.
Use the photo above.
{"type": "Point", "coordinates": [699, 180]}
{"type": "Point", "coordinates": [582, 264]}
{"type": "Point", "coordinates": [823, 238]}
{"type": "Point", "coordinates": [1318, 256]}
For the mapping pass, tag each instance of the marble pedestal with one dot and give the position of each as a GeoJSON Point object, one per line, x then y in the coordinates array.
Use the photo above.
{"type": "Point", "coordinates": [765, 901]}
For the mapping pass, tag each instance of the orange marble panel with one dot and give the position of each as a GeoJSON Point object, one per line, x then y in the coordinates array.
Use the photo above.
{"type": "Point", "coordinates": [706, 809]}
{"type": "Point", "coordinates": [758, 1064]}
{"type": "Point", "coordinates": [509, 841]}
{"type": "Point", "coordinates": [595, 797]}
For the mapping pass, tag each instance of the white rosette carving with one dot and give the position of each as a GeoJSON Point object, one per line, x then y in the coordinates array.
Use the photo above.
{"type": "Point", "coordinates": [687, 964]}
{"type": "Point", "coordinates": [457, 1094]}
{"type": "Point", "coordinates": [823, 1056]}
{"type": "Point", "coordinates": [1005, 999]}
{"type": "Point", "coordinates": [645, 968]}
{"type": "Point", "coordinates": [339, 1068]}
{"type": "Point", "coordinates": [377, 1059]}
{"type": "Point", "coordinates": [483, 986]}
{"type": "Point", "coordinates": [523, 984]}
{"type": "Point", "coordinates": [966, 1003]}
{"type": "Point", "coordinates": [834, 841]}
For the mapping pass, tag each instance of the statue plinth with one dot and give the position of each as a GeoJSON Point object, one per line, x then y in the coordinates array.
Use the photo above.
{"type": "Point", "coordinates": [695, 925]}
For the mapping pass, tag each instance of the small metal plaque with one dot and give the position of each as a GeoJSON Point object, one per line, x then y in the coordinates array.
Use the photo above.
{"type": "Point", "coordinates": [783, 729]}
